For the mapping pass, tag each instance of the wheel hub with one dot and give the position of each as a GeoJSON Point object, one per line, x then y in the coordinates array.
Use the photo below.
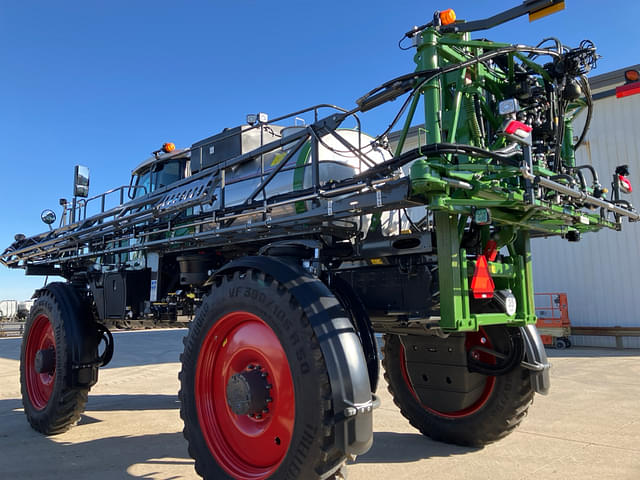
{"type": "Point", "coordinates": [45, 361]}
{"type": "Point", "coordinates": [248, 392]}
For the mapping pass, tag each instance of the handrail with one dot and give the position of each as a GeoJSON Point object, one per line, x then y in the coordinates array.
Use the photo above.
{"type": "Point", "coordinates": [81, 206]}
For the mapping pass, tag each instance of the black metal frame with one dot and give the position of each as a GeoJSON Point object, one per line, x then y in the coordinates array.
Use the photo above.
{"type": "Point", "coordinates": [155, 213]}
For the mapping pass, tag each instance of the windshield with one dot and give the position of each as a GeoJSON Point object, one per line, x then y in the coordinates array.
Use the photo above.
{"type": "Point", "coordinates": [167, 173]}
{"type": "Point", "coordinates": [158, 176]}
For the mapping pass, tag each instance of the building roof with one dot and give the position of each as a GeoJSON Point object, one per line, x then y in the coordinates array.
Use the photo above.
{"type": "Point", "coordinates": [604, 85]}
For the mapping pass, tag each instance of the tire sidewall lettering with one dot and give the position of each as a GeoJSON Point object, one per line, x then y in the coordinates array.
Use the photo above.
{"type": "Point", "coordinates": [260, 302]}
{"type": "Point", "coordinates": [276, 307]}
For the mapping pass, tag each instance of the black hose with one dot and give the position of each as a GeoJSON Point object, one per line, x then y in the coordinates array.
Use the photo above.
{"type": "Point", "coordinates": [564, 176]}
{"type": "Point", "coordinates": [586, 88]}
{"type": "Point", "coordinates": [504, 363]}
{"type": "Point", "coordinates": [430, 150]}
{"type": "Point", "coordinates": [594, 174]}
{"type": "Point", "coordinates": [583, 182]}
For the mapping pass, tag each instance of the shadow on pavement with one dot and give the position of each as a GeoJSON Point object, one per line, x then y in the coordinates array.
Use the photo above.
{"type": "Point", "coordinates": [10, 348]}
{"type": "Point", "coordinates": [25, 452]}
{"type": "Point", "coordinates": [149, 456]}
{"type": "Point", "coordinates": [124, 402]}
{"type": "Point", "coordinates": [393, 447]}
{"type": "Point", "coordinates": [591, 352]}
{"type": "Point", "coordinates": [131, 349]}
{"type": "Point", "coordinates": [109, 403]}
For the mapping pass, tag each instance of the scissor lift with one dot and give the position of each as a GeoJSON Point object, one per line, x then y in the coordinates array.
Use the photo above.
{"type": "Point", "coordinates": [553, 319]}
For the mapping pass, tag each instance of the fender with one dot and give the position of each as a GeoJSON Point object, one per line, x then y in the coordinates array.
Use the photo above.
{"type": "Point", "coordinates": [536, 359]}
{"type": "Point", "coordinates": [353, 305]}
{"type": "Point", "coordinates": [346, 364]}
{"type": "Point", "coordinates": [81, 335]}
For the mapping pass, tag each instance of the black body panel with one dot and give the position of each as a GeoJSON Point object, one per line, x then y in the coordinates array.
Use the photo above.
{"type": "Point", "coordinates": [115, 293]}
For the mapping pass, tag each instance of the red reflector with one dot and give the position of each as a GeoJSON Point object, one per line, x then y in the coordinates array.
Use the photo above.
{"type": "Point", "coordinates": [491, 250]}
{"type": "Point", "coordinates": [514, 125]}
{"type": "Point", "coordinates": [625, 184]}
{"type": "Point", "coordinates": [629, 89]}
{"type": "Point", "coordinates": [482, 284]}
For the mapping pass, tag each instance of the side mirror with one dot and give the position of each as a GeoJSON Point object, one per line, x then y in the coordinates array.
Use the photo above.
{"type": "Point", "coordinates": [81, 181]}
{"type": "Point", "coordinates": [48, 216]}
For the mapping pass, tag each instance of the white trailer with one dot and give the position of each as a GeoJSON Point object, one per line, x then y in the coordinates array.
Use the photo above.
{"type": "Point", "coordinates": [8, 309]}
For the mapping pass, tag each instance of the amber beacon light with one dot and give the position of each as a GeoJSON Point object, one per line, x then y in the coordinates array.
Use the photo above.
{"type": "Point", "coordinates": [447, 16]}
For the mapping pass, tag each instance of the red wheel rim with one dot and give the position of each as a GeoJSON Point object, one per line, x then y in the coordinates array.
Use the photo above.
{"type": "Point", "coordinates": [39, 385]}
{"type": "Point", "coordinates": [472, 339]}
{"type": "Point", "coordinates": [246, 447]}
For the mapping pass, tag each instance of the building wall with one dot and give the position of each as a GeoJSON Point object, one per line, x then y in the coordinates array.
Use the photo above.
{"type": "Point", "coordinates": [601, 273]}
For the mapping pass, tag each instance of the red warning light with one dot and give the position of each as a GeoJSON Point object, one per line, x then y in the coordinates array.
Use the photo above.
{"type": "Point", "coordinates": [491, 250]}
{"type": "Point", "coordinates": [514, 127]}
{"type": "Point", "coordinates": [625, 184]}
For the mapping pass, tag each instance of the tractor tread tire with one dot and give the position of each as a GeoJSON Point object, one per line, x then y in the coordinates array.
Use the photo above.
{"type": "Point", "coordinates": [66, 404]}
{"type": "Point", "coordinates": [327, 461]}
{"type": "Point", "coordinates": [508, 407]}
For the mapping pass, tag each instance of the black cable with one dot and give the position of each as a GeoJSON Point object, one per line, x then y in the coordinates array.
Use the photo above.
{"type": "Point", "coordinates": [558, 43]}
{"type": "Point", "coordinates": [504, 362]}
{"type": "Point", "coordinates": [450, 68]}
{"type": "Point", "coordinates": [400, 44]}
{"type": "Point", "coordinates": [431, 149]}
{"type": "Point", "coordinates": [430, 74]}
{"type": "Point", "coordinates": [586, 88]}
{"type": "Point", "coordinates": [413, 225]}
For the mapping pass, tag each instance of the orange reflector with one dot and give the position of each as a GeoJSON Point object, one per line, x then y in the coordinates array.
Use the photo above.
{"type": "Point", "coordinates": [447, 16]}
{"type": "Point", "coordinates": [482, 284]}
{"type": "Point", "coordinates": [631, 76]}
{"type": "Point", "coordinates": [543, 12]}
{"type": "Point", "coordinates": [168, 147]}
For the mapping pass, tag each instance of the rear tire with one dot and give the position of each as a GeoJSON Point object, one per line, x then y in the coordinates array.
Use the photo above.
{"type": "Point", "coordinates": [500, 408]}
{"type": "Point", "coordinates": [250, 323]}
{"type": "Point", "coordinates": [51, 406]}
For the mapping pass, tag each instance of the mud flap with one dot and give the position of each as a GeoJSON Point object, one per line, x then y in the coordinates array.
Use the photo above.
{"type": "Point", "coordinates": [82, 337]}
{"type": "Point", "coordinates": [353, 401]}
{"type": "Point", "coordinates": [536, 359]}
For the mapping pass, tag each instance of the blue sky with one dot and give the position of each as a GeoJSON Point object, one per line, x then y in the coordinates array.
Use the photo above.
{"type": "Point", "coordinates": [105, 83]}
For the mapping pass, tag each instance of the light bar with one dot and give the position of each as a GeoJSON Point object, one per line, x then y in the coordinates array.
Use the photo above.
{"type": "Point", "coordinates": [543, 12]}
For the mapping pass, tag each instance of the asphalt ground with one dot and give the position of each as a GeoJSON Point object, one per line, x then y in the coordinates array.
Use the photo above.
{"type": "Point", "coordinates": [587, 428]}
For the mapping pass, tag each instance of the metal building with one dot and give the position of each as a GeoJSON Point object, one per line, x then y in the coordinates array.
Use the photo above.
{"type": "Point", "coordinates": [601, 273]}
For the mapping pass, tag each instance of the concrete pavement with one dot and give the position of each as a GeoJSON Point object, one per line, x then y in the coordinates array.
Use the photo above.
{"type": "Point", "coordinates": [587, 428]}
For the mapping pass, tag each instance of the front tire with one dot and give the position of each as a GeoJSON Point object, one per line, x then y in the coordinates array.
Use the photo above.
{"type": "Point", "coordinates": [498, 407]}
{"type": "Point", "coordinates": [255, 394]}
{"type": "Point", "coordinates": [51, 406]}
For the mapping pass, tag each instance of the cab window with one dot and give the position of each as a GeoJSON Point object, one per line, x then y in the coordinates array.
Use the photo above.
{"type": "Point", "coordinates": [158, 176]}
{"type": "Point", "coordinates": [167, 173]}
{"type": "Point", "coordinates": [142, 180]}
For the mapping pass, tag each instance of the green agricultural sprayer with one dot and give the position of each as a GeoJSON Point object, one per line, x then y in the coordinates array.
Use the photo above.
{"type": "Point", "coordinates": [288, 245]}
